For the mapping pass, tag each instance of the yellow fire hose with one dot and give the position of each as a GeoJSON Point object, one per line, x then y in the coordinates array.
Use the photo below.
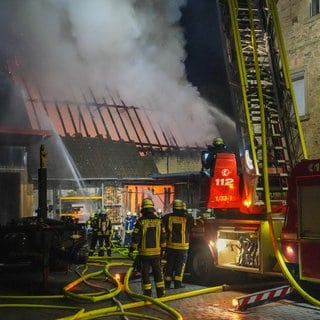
{"type": "Point", "coordinates": [98, 296]}
{"type": "Point", "coordinates": [144, 302]}
{"type": "Point", "coordinates": [104, 294]}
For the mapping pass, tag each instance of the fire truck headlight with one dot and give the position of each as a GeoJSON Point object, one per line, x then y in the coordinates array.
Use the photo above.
{"type": "Point", "coordinates": [221, 244]}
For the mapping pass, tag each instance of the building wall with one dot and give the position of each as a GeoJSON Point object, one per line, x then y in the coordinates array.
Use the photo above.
{"type": "Point", "coordinates": [179, 161]}
{"type": "Point", "coordinates": [302, 40]}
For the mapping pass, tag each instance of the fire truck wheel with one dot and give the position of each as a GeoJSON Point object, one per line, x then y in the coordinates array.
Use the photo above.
{"type": "Point", "coordinates": [202, 266]}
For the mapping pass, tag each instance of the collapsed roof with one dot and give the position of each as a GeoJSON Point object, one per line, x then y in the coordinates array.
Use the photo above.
{"type": "Point", "coordinates": [100, 137]}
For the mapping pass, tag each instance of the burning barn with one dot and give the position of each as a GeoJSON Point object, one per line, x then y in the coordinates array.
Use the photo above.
{"type": "Point", "coordinates": [102, 155]}
{"type": "Point", "coordinates": [112, 97]}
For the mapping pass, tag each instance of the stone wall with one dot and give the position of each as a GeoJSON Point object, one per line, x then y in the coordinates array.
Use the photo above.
{"type": "Point", "coordinates": [302, 40]}
{"type": "Point", "coordinates": [178, 161]}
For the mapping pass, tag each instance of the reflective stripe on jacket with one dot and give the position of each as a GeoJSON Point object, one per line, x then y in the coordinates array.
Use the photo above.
{"type": "Point", "coordinates": [178, 226]}
{"type": "Point", "coordinates": [149, 236]}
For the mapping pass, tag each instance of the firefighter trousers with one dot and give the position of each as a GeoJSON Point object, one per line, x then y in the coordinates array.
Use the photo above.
{"type": "Point", "coordinates": [100, 240]}
{"type": "Point", "coordinates": [174, 270]}
{"type": "Point", "coordinates": [154, 264]}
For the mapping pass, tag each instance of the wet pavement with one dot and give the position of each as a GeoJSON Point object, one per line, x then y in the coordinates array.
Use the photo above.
{"type": "Point", "coordinates": [23, 297]}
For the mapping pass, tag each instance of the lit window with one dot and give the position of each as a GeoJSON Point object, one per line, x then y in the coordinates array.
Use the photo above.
{"type": "Point", "coordinates": [314, 7]}
{"type": "Point", "coordinates": [299, 90]}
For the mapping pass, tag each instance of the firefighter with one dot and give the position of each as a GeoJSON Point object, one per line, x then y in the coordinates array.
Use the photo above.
{"type": "Point", "coordinates": [149, 239]}
{"type": "Point", "coordinates": [208, 157]}
{"type": "Point", "coordinates": [128, 228]}
{"type": "Point", "coordinates": [178, 226]}
{"type": "Point", "coordinates": [89, 229]}
{"type": "Point", "coordinates": [93, 224]}
{"type": "Point", "coordinates": [101, 233]}
{"type": "Point", "coordinates": [116, 237]}
{"type": "Point", "coordinates": [104, 234]}
{"type": "Point", "coordinates": [159, 213]}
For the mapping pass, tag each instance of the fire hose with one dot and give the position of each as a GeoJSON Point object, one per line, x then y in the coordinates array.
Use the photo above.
{"type": "Point", "coordinates": [101, 295]}
{"type": "Point", "coordinates": [284, 267]}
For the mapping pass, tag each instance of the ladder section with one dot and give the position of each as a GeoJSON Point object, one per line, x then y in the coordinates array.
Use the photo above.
{"type": "Point", "coordinates": [261, 97]}
{"type": "Point", "coordinates": [264, 120]}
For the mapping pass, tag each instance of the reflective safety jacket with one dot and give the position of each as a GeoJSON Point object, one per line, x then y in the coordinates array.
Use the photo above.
{"type": "Point", "coordinates": [149, 236]}
{"type": "Point", "coordinates": [178, 227]}
{"type": "Point", "coordinates": [101, 224]}
{"type": "Point", "coordinates": [129, 223]}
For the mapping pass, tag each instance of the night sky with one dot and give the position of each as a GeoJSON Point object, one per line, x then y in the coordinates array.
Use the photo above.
{"type": "Point", "coordinates": [205, 63]}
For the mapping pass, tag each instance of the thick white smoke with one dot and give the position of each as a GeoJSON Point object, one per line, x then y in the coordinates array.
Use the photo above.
{"type": "Point", "coordinates": [132, 47]}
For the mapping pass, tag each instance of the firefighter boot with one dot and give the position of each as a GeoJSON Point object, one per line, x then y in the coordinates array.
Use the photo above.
{"type": "Point", "coordinates": [101, 253]}
{"type": "Point", "coordinates": [167, 282]}
{"type": "Point", "coordinates": [109, 252]}
{"type": "Point", "coordinates": [147, 292]}
{"type": "Point", "coordinates": [146, 288]}
{"type": "Point", "coordinates": [160, 292]}
{"type": "Point", "coordinates": [178, 284]}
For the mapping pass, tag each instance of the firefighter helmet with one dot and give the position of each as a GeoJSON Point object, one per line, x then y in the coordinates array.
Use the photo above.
{"type": "Point", "coordinates": [147, 204]}
{"type": "Point", "coordinates": [217, 141]}
{"type": "Point", "coordinates": [178, 204]}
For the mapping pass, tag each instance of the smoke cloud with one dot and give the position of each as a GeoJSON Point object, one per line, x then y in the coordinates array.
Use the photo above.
{"type": "Point", "coordinates": [135, 48]}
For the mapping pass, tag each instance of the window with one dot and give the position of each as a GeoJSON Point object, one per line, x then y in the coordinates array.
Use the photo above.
{"type": "Point", "coordinates": [308, 202]}
{"type": "Point", "coordinates": [314, 7]}
{"type": "Point", "coordinates": [299, 90]}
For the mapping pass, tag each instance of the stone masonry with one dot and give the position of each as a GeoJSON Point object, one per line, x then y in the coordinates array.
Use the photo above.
{"type": "Point", "coordinates": [301, 34]}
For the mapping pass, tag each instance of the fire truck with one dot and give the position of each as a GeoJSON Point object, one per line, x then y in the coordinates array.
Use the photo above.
{"type": "Point", "coordinates": [258, 206]}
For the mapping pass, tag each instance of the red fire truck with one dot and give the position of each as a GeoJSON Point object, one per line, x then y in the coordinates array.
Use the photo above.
{"type": "Point", "coordinates": [265, 197]}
